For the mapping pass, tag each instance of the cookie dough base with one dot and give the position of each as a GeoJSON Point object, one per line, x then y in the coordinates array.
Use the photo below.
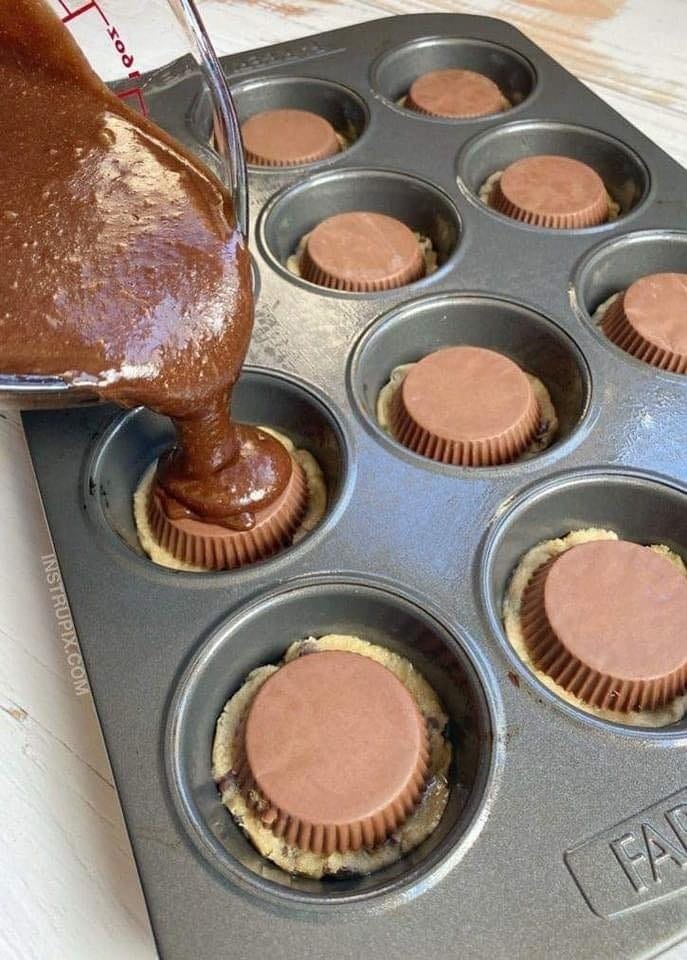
{"type": "Point", "coordinates": [548, 425]}
{"type": "Point", "coordinates": [487, 188]}
{"type": "Point", "coordinates": [293, 263]}
{"type": "Point", "coordinates": [317, 503]}
{"type": "Point", "coordinates": [602, 309]}
{"type": "Point", "coordinates": [419, 825]}
{"type": "Point", "coordinates": [532, 560]}
{"type": "Point", "coordinates": [346, 138]}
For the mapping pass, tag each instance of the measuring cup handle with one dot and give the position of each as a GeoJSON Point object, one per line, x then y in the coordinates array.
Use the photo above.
{"type": "Point", "coordinates": [225, 120]}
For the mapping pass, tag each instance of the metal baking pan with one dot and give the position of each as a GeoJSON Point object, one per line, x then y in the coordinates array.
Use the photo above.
{"type": "Point", "coordinates": [549, 844]}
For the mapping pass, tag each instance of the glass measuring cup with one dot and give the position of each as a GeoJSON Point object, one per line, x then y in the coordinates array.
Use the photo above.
{"type": "Point", "coordinates": [131, 46]}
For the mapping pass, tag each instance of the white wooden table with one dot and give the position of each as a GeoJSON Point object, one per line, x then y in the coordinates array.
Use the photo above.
{"type": "Point", "coordinates": [68, 886]}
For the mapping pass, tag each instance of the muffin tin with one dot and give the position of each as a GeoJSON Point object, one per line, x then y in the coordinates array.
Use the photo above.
{"type": "Point", "coordinates": [549, 841]}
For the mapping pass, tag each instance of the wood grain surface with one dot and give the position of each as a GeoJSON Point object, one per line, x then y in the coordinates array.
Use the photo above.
{"type": "Point", "coordinates": [68, 886]}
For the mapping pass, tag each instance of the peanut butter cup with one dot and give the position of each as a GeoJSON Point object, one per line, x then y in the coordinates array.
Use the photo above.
{"type": "Point", "coordinates": [285, 138]}
{"type": "Point", "coordinates": [466, 406]}
{"type": "Point", "coordinates": [551, 191]}
{"type": "Point", "coordinates": [605, 620]}
{"type": "Point", "coordinates": [362, 251]}
{"type": "Point", "coordinates": [333, 752]}
{"type": "Point", "coordinates": [454, 94]}
{"type": "Point", "coordinates": [212, 546]}
{"type": "Point", "coordinates": [649, 321]}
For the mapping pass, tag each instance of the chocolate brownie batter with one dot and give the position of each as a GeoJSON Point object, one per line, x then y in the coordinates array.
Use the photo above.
{"type": "Point", "coordinates": [123, 269]}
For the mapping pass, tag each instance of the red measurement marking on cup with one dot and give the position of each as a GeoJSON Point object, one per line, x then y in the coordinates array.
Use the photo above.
{"type": "Point", "coordinates": [134, 92]}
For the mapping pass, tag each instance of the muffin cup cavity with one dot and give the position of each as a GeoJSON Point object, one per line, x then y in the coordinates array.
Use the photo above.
{"type": "Point", "coordinates": [260, 634]}
{"type": "Point", "coordinates": [135, 440]}
{"type": "Point", "coordinates": [296, 211]}
{"type": "Point", "coordinates": [344, 109]}
{"type": "Point", "coordinates": [486, 156]}
{"type": "Point", "coordinates": [641, 507]}
{"type": "Point", "coordinates": [611, 268]}
{"type": "Point", "coordinates": [420, 327]}
{"type": "Point", "coordinates": [394, 72]}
